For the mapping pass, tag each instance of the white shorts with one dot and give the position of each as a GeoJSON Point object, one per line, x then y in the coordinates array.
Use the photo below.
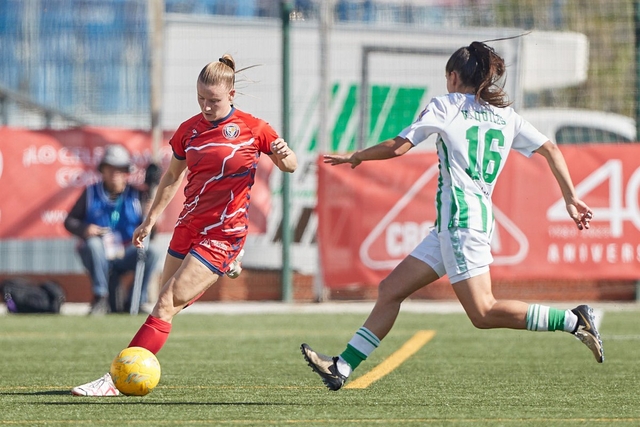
{"type": "Point", "coordinates": [460, 253]}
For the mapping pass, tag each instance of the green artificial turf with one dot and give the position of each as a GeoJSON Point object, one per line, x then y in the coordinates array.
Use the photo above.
{"type": "Point", "coordinates": [247, 370]}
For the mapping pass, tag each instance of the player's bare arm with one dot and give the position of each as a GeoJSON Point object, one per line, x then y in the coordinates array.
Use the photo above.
{"type": "Point", "coordinates": [283, 156]}
{"type": "Point", "coordinates": [167, 188]}
{"type": "Point", "coordinates": [577, 209]}
{"type": "Point", "coordinates": [385, 150]}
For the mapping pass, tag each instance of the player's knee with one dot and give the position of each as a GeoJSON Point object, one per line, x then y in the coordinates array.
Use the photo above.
{"type": "Point", "coordinates": [480, 321]}
{"type": "Point", "coordinates": [484, 318]}
{"type": "Point", "coordinates": [388, 292]}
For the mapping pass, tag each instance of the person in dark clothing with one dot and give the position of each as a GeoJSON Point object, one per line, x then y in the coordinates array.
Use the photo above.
{"type": "Point", "coordinates": [104, 218]}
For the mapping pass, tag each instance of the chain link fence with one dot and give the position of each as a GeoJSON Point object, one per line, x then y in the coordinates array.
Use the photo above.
{"type": "Point", "coordinates": [89, 59]}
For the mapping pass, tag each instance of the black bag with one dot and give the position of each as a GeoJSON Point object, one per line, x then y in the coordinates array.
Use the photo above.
{"type": "Point", "coordinates": [24, 296]}
{"type": "Point", "coordinates": [56, 294]}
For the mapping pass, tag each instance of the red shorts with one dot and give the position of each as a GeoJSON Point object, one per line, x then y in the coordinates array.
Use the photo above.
{"type": "Point", "coordinates": [216, 254]}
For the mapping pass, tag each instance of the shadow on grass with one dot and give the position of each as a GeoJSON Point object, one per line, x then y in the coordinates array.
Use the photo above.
{"type": "Point", "coordinates": [132, 400]}
{"type": "Point", "coordinates": [149, 403]}
{"type": "Point", "coordinates": [39, 393]}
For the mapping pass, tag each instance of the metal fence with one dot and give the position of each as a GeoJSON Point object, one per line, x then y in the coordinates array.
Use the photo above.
{"type": "Point", "coordinates": [90, 59]}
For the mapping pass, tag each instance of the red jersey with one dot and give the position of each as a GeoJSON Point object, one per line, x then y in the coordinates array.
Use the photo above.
{"type": "Point", "coordinates": [222, 158]}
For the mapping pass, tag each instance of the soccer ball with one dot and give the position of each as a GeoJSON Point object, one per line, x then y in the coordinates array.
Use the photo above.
{"type": "Point", "coordinates": [135, 371]}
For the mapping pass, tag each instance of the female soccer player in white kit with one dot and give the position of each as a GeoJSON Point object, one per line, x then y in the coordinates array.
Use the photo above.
{"type": "Point", "coordinates": [476, 130]}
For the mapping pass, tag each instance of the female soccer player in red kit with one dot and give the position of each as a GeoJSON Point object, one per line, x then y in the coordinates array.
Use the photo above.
{"type": "Point", "coordinates": [218, 149]}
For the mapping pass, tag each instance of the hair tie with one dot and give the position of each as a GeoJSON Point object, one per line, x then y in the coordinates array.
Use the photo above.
{"type": "Point", "coordinates": [481, 47]}
{"type": "Point", "coordinates": [225, 62]}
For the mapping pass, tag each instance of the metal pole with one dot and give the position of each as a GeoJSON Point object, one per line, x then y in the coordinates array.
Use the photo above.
{"type": "Point", "coordinates": [326, 16]}
{"type": "Point", "coordinates": [4, 110]}
{"type": "Point", "coordinates": [156, 33]}
{"type": "Point", "coordinates": [325, 144]}
{"type": "Point", "coordinates": [287, 274]}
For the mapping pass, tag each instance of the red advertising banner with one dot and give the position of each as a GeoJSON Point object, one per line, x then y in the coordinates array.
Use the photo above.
{"type": "Point", "coordinates": [42, 173]}
{"type": "Point", "coordinates": [373, 216]}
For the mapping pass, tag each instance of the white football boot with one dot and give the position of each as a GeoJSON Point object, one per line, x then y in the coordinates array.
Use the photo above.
{"type": "Point", "coordinates": [101, 387]}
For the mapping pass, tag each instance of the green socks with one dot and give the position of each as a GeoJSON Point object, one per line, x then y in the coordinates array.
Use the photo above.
{"type": "Point", "coordinates": [543, 318]}
{"type": "Point", "coordinates": [360, 347]}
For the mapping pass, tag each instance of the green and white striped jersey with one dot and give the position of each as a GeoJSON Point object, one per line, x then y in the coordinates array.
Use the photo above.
{"type": "Point", "coordinates": [473, 143]}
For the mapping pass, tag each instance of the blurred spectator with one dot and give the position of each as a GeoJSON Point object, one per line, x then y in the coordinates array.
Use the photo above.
{"type": "Point", "coordinates": [104, 217]}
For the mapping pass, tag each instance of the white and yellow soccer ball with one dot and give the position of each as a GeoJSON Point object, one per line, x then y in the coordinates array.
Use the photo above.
{"type": "Point", "coordinates": [135, 371]}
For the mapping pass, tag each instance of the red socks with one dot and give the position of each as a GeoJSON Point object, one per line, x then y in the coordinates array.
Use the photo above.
{"type": "Point", "coordinates": [152, 334]}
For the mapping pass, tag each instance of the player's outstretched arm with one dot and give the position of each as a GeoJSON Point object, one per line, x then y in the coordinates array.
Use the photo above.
{"type": "Point", "coordinates": [577, 209]}
{"type": "Point", "coordinates": [167, 188]}
{"type": "Point", "coordinates": [385, 150]}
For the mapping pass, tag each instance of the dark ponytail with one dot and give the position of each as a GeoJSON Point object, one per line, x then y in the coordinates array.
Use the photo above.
{"type": "Point", "coordinates": [480, 67]}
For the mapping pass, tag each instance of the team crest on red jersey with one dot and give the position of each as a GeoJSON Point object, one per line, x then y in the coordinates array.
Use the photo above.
{"type": "Point", "coordinates": [231, 131]}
